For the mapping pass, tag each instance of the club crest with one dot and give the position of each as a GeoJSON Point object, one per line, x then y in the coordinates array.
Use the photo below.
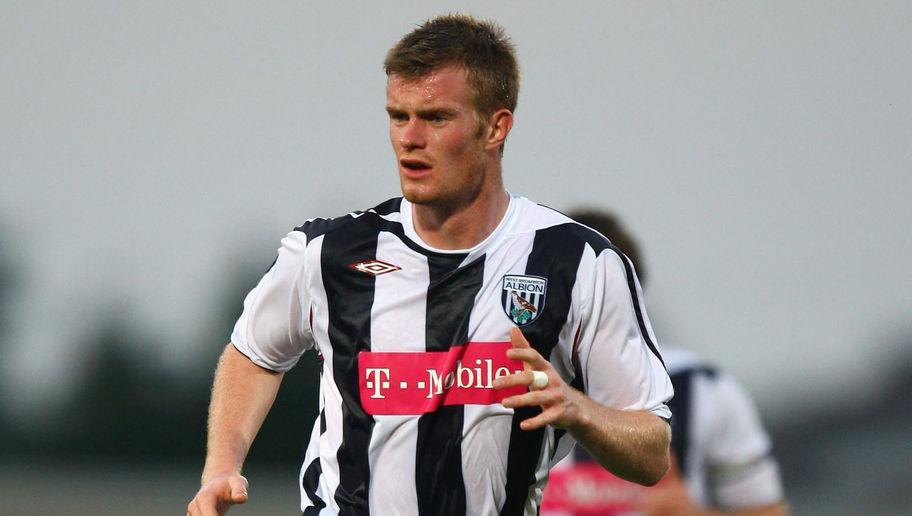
{"type": "Point", "coordinates": [523, 297]}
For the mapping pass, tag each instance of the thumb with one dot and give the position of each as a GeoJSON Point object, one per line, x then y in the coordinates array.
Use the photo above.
{"type": "Point", "coordinates": [238, 489]}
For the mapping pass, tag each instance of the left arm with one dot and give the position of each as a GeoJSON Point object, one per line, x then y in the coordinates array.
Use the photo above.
{"type": "Point", "coordinates": [631, 444]}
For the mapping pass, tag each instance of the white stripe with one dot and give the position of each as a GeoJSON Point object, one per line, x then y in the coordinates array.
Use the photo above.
{"type": "Point", "coordinates": [486, 428]}
{"type": "Point", "coordinates": [485, 443]}
{"type": "Point", "coordinates": [397, 324]}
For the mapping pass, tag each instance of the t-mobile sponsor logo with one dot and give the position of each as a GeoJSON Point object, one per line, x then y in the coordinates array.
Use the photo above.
{"type": "Point", "coordinates": [416, 383]}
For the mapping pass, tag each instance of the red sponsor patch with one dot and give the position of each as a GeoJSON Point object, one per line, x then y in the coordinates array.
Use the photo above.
{"type": "Point", "coordinates": [408, 383]}
{"type": "Point", "coordinates": [586, 489]}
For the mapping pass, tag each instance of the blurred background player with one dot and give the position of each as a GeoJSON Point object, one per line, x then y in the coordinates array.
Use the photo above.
{"type": "Point", "coordinates": [720, 450]}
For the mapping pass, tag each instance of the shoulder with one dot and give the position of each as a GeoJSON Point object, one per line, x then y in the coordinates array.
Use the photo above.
{"type": "Point", "coordinates": [316, 227]}
{"type": "Point", "coordinates": [718, 388]}
{"type": "Point", "coordinates": [558, 229]}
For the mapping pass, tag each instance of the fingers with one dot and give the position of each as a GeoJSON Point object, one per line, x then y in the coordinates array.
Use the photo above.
{"type": "Point", "coordinates": [218, 495]}
{"type": "Point", "coordinates": [529, 355]}
{"type": "Point", "coordinates": [547, 417]}
{"type": "Point", "coordinates": [540, 380]}
{"type": "Point", "coordinates": [522, 350]}
{"type": "Point", "coordinates": [547, 391]}
{"type": "Point", "coordinates": [522, 378]}
{"type": "Point", "coordinates": [238, 489]}
{"type": "Point", "coordinates": [202, 505]}
{"type": "Point", "coordinates": [518, 339]}
{"type": "Point", "coordinates": [533, 399]}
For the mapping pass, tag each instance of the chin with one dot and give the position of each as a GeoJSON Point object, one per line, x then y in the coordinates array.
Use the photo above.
{"type": "Point", "coordinates": [417, 195]}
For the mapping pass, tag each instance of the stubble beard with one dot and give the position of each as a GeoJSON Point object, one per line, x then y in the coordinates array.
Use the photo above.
{"type": "Point", "coordinates": [451, 199]}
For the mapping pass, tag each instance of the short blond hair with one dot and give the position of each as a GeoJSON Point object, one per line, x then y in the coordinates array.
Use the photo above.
{"type": "Point", "coordinates": [481, 47]}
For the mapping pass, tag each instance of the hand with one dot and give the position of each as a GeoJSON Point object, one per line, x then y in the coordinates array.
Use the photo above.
{"type": "Point", "coordinates": [218, 495]}
{"type": "Point", "coordinates": [559, 402]}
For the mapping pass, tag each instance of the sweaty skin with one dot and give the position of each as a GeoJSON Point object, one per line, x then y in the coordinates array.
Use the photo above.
{"type": "Point", "coordinates": [448, 157]}
{"type": "Point", "coordinates": [449, 163]}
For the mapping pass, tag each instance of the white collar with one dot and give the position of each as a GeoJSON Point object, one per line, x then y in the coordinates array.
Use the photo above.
{"type": "Point", "coordinates": [408, 226]}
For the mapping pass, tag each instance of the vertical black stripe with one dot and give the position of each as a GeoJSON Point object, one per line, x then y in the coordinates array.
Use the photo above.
{"type": "Point", "coordinates": [309, 482]}
{"type": "Point", "coordinates": [681, 406]}
{"type": "Point", "coordinates": [577, 383]}
{"type": "Point", "coordinates": [438, 463]}
{"type": "Point", "coordinates": [350, 295]}
{"type": "Point", "coordinates": [599, 243]}
{"type": "Point", "coordinates": [641, 322]}
{"type": "Point", "coordinates": [555, 255]}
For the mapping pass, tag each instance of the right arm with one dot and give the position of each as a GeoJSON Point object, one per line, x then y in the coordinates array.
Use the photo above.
{"type": "Point", "coordinates": [242, 395]}
{"type": "Point", "coordinates": [268, 338]}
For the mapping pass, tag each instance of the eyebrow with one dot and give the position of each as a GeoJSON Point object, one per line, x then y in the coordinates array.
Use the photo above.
{"type": "Point", "coordinates": [424, 112]}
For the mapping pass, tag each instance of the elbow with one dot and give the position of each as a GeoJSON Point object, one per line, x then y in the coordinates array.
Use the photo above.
{"type": "Point", "coordinates": [656, 470]}
{"type": "Point", "coordinates": [647, 473]}
{"type": "Point", "coordinates": [659, 461]}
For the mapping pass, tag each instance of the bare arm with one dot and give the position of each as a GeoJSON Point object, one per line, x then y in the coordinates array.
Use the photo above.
{"type": "Point", "coordinates": [631, 444]}
{"type": "Point", "coordinates": [242, 395]}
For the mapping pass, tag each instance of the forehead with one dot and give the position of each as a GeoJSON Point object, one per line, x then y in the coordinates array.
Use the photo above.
{"type": "Point", "coordinates": [444, 85]}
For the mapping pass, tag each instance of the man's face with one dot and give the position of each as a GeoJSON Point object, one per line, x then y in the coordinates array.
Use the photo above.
{"type": "Point", "coordinates": [439, 144]}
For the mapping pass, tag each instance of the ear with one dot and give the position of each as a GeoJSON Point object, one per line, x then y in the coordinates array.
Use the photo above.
{"type": "Point", "coordinates": [499, 125]}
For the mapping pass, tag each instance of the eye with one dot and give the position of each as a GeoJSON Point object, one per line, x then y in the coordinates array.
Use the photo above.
{"type": "Point", "coordinates": [398, 116]}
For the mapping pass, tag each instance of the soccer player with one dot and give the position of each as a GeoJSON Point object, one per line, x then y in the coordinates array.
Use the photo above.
{"type": "Point", "coordinates": [469, 336]}
{"type": "Point", "coordinates": [722, 462]}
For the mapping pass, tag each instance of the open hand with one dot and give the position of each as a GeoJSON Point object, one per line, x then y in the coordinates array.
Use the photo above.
{"type": "Point", "coordinates": [559, 402]}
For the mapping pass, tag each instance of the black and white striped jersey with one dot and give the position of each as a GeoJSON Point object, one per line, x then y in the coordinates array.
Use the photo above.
{"type": "Point", "coordinates": [412, 338]}
{"type": "Point", "coordinates": [717, 436]}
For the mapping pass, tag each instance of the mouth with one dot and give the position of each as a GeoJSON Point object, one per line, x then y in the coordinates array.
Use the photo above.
{"type": "Point", "coordinates": [414, 167]}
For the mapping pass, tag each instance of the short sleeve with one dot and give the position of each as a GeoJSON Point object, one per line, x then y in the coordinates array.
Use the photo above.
{"type": "Point", "coordinates": [741, 471]}
{"type": "Point", "coordinates": [616, 347]}
{"type": "Point", "coordinates": [274, 330]}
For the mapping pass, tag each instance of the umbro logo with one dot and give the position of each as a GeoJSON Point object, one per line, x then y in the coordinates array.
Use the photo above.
{"type": "Point", "coordinates": [374, 267]}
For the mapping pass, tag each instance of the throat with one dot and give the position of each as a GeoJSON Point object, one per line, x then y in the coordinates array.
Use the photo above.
{"type": "Point", "coordinates": [461, 228]}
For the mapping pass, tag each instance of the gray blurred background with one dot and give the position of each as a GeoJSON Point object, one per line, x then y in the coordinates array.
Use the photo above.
{"type": "Point", "coordinates": [152, 155]}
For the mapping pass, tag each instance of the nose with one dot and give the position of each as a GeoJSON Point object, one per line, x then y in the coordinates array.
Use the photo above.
{"type": "Point", "coordinates": [411, 135]}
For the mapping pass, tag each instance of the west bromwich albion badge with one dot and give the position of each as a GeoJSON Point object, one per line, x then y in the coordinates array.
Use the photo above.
{"type": "Point", "coordinates": [523, 297]}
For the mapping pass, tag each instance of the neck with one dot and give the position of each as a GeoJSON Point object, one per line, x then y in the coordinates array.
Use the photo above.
{"type": "Point", "coordinates": [463, 226]}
